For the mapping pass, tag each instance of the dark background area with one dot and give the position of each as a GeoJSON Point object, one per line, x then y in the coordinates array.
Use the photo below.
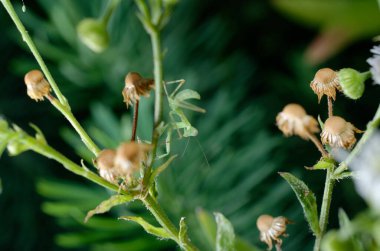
{"type": "Point", "coordinates": [246, 60]}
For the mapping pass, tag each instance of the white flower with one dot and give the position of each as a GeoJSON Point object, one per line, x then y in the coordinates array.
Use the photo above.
{"type": "Point", "coordinates": [367, 168]}
{"type": "Point", "coordinates": [375, 64]}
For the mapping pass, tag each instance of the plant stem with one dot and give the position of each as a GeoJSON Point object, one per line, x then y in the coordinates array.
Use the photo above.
{"type": "Point", "coordinates": [78, 128]}
{"type": "Point", "coordinates": [371, 127]}
{"type": "Point", "coordinates": [27, 39]}
{"type": "Point", "coordinates": [330, 106]}
{"type": "Point", "coordinates": [325, 208]}
{"type": "Point", "coordinates": [62, 104]}
{"type": "Point", "coordinates": [158, 102]}
{"type": "Point", "coordinates": [318, 144]}
{"type": "Point", "coordinates": [51, 153]}
{"type": "Point", "coordinates": [135, 120]}
{"type": "Point", "coordinates": [152, 205]}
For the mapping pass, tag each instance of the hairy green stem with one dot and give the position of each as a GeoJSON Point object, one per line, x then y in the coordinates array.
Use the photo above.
{"type": "Point", "coordinates": [78, 128]}
{"type": "Point", "coordinates": [152, 205]}
{"type": "Point", "coordinates": [371, 127]}
{"type": "Point", "coordinates": [325, 208]}
{"type": "Point", "coordinates": [49, 152]}
{"type": "Point", "coordinates": [158, 79]}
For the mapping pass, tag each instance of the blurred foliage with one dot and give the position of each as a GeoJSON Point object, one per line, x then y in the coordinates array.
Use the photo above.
{"type": "Point", "coordinates": [246, 67]}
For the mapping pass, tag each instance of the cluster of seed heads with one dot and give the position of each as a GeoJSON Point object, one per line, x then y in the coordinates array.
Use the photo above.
{"type": "Point", "coordinates": [123, 163]}
{"type": "Point", "coordinates": [271, 229]}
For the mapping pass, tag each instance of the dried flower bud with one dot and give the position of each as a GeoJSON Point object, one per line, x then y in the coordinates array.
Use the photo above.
{"type": "Point", "coordinates": [136, 86]}
{"type": "Point", "coordinates": [325, 82]}
{"type": "Point", "coordinates": [105, 163]}
{"type": "Point", "coordinates": [352, 82]}
{"type": "Point", "coordinates": [293, 120]}
{"type": "Point", "coordinates": [271, 229]}
{"type": "Point", "coordinates": [129, 158]}
{"type": "Point", "coordinates": [36, 84]}
{"type": "Point", "coordinates": [337, 132]}
{"type": "Point", "coordinates": [93, 33]}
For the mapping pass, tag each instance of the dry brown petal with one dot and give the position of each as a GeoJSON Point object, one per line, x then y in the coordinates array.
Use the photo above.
{"type": "Point", "coordinates": [136, 86]}
{"type": "Point", "coordinates": [337, 132]}
{"type": "Point", "coordinates": [36, 84]}
{"type": "Point", "coordinates": [325, 82]}
{"type": "Point", "coordinates": [293, 120]}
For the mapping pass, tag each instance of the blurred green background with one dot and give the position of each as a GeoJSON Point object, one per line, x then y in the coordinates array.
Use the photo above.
{"type": "Point", "coordinates": [246, 59]}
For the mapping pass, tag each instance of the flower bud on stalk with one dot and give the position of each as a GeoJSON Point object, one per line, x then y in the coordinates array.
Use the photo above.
{"type": "Point", "coordinates": [37, 86]}
{"type": "Point", "coordinates": [352, 82]}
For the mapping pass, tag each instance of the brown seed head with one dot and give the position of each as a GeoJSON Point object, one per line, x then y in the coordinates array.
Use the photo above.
{"type": "Point", "coordinates": [271, 229]}
{"type": "Point", "coordinates": [293, 120]}
{"type": "Point", "coordinates": [325, 82]}
{"type": "Point", "coordinates": [36, 84]}
{"type": "Point", "coordinates": [264, 222]}
{"type": "Point", "coordinates": [105, 163]}
{"type": "Point", "coordinates": [337, 132]}
{"type": "Point", "coordinates": [136, 86]}
{"type": "Point", "coordinates": [129, 157]}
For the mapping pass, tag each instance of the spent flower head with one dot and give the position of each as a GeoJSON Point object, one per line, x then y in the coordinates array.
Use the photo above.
{"type": "Point", "coordinates": [293, 120]}
{"type": "Point", "coordinates": [325, 82]}
{"type": "Point", "coordinates": [271, 229]}
{"type": "Point", "coordinates": [337, 132]}
{"type": "Point", "coordinates": [374, 62]}
{"type": "Point", "coordinates": [122, 163]}
{"type": "Point", "coordinates": [36, 84]}
{"type": "Point", "coordinates": [105, 163]}
{"type": "Point", "coordinates": [136, 86]}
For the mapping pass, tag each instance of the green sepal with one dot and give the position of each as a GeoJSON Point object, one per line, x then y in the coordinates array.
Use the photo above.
{"type": "Point", "coordinates": [39, 135]}
{"type": "Point", "coordinates": [323, 164]}
{"type": "Point", "coordinates": [307, 199]}
{"type": "Point", "coordinates": [106, 205]}
{"type": "Point", "coordinates": [225, 235]}
{"type": "Point", "coordinates": [149, 228]}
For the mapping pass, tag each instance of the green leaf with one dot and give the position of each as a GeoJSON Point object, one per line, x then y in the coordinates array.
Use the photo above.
{"type": "Point", "coordinates": [161, 168]}
{"type": "Point", "coordinates": [149, 228]}
{"type": "Point", "coordinates": [225, 236]}
{"type": "Point", "coordinates": [306, 198]}
{"type": "Point", "coordinates": [106, 205]}
{"type": "Point", "coordinates": [323, 164]}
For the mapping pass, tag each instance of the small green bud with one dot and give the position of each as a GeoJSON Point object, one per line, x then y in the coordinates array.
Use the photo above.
{"type": "Point", "coordinates": [93, 33]}
{"type": "Point", "coordinates": [352, 82]}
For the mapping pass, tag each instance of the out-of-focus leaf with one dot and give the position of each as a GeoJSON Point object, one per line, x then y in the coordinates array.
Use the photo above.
{"type": "Point", "coordinates": [149, 228]}
{"type": "Point", "coordinates": [106, 205]}
{"type": "Point", "coordinates": [225, 235]}
{"type": "Point", "coordinates": [307, 200]}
